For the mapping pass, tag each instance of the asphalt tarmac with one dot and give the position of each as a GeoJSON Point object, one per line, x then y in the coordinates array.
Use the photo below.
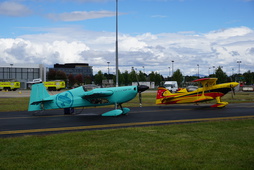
{"type": "Point", "coordinates": [14, 124]}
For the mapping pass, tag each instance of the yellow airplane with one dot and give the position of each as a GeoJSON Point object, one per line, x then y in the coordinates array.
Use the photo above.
{"type": "Point", "coordinates": [209, 91]}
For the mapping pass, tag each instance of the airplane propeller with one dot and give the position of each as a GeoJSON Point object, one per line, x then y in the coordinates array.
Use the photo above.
{"type": "Point", "coordinates": [141, 88]}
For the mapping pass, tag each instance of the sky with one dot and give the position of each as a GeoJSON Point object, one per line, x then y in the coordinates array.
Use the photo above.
{"type": "Point", "coordinates": [198, 35]}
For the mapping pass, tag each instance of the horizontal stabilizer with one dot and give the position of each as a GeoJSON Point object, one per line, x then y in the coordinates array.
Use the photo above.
{"type": "Point", "coordinates": [41, 101]}
{"type": "Point", "coordinates": [116, 112]}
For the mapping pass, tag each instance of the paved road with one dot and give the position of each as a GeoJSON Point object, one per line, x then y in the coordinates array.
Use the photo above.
{"type": "Point", "coordinates": [54, 121]}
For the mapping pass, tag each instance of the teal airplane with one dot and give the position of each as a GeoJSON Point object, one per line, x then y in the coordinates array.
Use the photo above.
{"type": "Point", "coordinates": [40, 99]}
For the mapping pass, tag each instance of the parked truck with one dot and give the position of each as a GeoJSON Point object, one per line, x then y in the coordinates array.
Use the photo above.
{"type": "Point", "coordinates": [55, 85]}
{"type": "Point", "coordinates": [9, 85]}
{"type": "Point", "coordinates": [172, 86]}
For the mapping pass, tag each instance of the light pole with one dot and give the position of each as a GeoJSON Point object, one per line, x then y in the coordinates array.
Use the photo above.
{"type": "Point", "coordinates": [232, 74]}
{"type": "Point", "coordinates": [168, 72]}
{"type": "Point", "coordinates": [172, 67]}
{"type": "Point", "coordinates": [108, 67]}
{"type": "Point", "coordinates": [116, 43]}
{"type": "Point", "coordinates": [239, 71]}
{"type": "Point", "coordinates": [239, 62]}
{"type": "Point", "coordinates": [198, 70]}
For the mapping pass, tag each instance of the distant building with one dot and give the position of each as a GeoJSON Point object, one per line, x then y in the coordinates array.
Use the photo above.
{"type": "Point", "coordinates": [74, 69]}
{"type": "Point", "coordinates": [22, 73]}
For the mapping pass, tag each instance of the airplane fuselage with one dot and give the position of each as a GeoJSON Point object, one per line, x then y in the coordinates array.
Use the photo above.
{"type": "Point", "coordinates": [199, 95]}
{"type": "Point", "coordinates": [77, 97]}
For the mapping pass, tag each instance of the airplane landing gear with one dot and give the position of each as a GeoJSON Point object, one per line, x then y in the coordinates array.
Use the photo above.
{"type": "Point", "coordinates": [219, 103]}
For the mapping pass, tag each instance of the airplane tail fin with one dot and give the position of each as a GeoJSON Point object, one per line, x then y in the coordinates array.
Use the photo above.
{"type": "Point", "coordinates": [161, 93]}
{"type": "Point", "coordinates": [38, 93]}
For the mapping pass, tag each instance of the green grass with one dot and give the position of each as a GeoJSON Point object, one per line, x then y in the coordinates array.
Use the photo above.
{"type": "Point", "coordinates": [208, 145]}
{"type": "Point", "coordinates": [14, 104]}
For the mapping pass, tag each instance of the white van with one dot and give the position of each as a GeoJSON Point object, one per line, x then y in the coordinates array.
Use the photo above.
{"type": "Point", "coordinates": [172, 86]}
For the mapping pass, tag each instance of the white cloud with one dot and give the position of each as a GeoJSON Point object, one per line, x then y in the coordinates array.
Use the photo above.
{"type": "Point", "coordinates": [14, 9]}
{"type": "Point", "coordinates": [227, 33]}
{"type": "Point", "coordinates": [153, 51]}
{"type": "Point", "coordinates": [159, 16]}
{"type": "Point", "coordinates": [80, 15]}
{"type": "Point", "coordinates": [129, 43]}
{"type": "Point", "coordinates": [25, 51]}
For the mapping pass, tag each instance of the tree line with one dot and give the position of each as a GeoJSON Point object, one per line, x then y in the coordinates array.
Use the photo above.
{"type": "Point", "coordinates": [126, 78]}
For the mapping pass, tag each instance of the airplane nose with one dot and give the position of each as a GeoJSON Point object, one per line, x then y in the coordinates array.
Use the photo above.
{"type": "Point", "coordinates": [233, 84]}
{"type": "Point", "coordinates": [142, 88]}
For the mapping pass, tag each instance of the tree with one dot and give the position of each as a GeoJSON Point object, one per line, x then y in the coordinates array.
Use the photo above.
{"type": "Point", "coordinates": [155, 77]}
{"type": "Point", "coordinates": [158, 79]}
{"type": "Point", "coordinates": [178, 76]}
{"type": "Point", "coordinates": [126, 79]}
{"type": "Point", "coordinates": [120, 78]}
{"type": "Point", "coordinates": [141, 76]}
{"type": "Point", "coordinates": [79, 79]}
{"type": "Point", "coordinates": [152, 76]}
{"type": "Point", "coordinates": [60, 75]}
{"type": "Point", "coordinates": [51, 74]}
{"type": "Point", "coordinates": [222, 76]}
{"type": "Point", "coordinates": [189, 78]}
{"type": "Point", "coordinates": [133, 76]}
{"type": "Point", "coordinates": [56, 75]}
{"type": "Point", "coordinates": [71, 80]}
{"type": "Point", "coordinates": [248, 76]}
{"type": "Point", "coordinates": [98, 78]}
{"type": "Point", "coordinates": [88, 80]}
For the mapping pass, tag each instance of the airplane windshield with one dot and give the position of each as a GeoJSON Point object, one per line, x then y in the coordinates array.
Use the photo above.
{"type": "Point", "coordinates": [84, 88]}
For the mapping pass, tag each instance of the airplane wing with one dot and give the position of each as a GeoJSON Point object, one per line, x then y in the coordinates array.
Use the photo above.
{"type": "Point", "coordinates": [97, 94]}
{"type": "Point", "coordinates": [207, 81]}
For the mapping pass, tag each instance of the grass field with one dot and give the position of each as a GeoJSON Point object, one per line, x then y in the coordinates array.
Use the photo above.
{"type": "Point", "coordinates": [206, 145]}
{"type": "Point", "coordinates": [209, 145]}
